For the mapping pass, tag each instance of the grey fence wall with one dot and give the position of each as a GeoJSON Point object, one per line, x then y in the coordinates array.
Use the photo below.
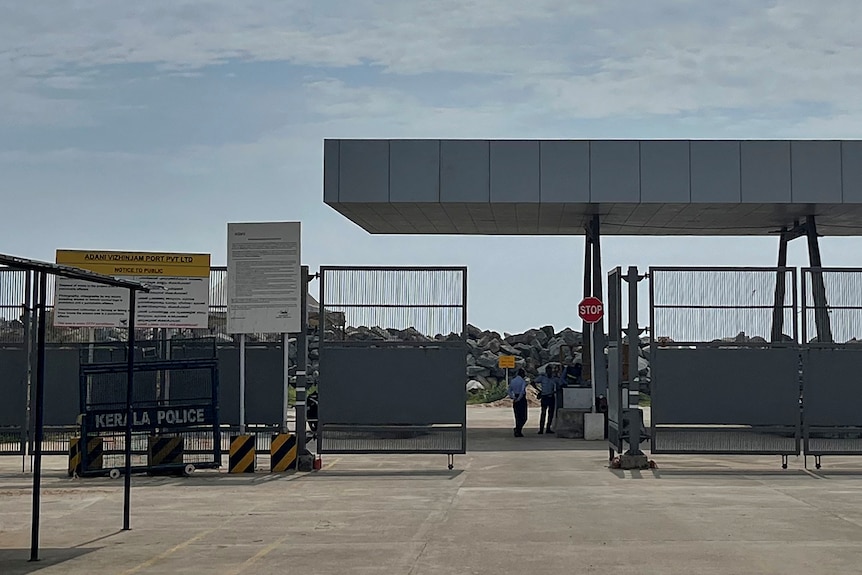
{"type": "Point", "coordinates": [726, 386]}
{"type": "Point", "coordinates": [264, 382]}
{"type": "Point", "coordinates": [392, 386]}
{"type": "Point", "coordinates": [13, 386]}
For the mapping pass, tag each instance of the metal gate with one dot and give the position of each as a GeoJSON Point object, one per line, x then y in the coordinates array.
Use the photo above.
{"type": "Point", "coordinates": [729, 374]}
{"type": "Point", "coordinates": [832, 361]}
{"type": "Point", "coordinates": [392, 360]}
{"type": "Point", "coordinates": [722, 381]}
{"type": "Point", "coordinates": [174, 402]}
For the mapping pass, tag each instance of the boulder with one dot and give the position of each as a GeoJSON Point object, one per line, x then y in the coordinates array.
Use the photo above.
{"type": "Point", "coordinates": [508, 349]}
{"type": "Point", "coordinates": [475, 371]}
{"type": "Point", "coordinates": [494, 346]}
{"type": "Point", "coordinates": [571, 337]}
{"type": "Point", "coordinates": [556, 345]}
{"type": "Point", "coordinates": [473, 332]}
{"type": "Point", "coordinates": [522, 349]}
{"type": "Point", "coordinates": [549, 331]}
{"type": "Point", "coordinates": [488, 360]}
{"type": "Point", "coordinates": [474, 385]}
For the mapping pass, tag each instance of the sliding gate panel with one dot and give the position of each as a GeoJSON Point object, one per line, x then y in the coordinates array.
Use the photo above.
{"type": "Point", "coordinates": [392, 399]}
{"type": "Point", "coordinates": [832, 332]}
{"type": "Point", "coordinates": [715, 400]}
{"type": "Point", "coordinates": [725, 364]}
{"type": "Point", "coordinates": [393, 360]}
{"type": "Point", "coordinates": [832, 414]}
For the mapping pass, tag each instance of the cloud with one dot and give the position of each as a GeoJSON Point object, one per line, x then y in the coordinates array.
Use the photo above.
{"type": "Point", "coordinates": [583, 59]}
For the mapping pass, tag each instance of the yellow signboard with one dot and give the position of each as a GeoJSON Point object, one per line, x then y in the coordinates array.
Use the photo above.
{"type": "Point", "coordinates": [506, 362]}
{"type": "Point", "coordinates": [138, 263]}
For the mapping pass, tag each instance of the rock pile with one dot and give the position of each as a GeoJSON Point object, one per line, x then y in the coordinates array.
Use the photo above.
{"type": "Point", "coordinates": [532, 350]}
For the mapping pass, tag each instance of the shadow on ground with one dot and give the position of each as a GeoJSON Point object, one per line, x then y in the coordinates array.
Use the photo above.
{"type": "Point", "coordinates": [16, 561]}
{"type": "Point", "coordinates": [501, 439]}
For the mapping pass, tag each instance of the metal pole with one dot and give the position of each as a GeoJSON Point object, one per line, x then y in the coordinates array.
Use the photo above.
{"type": "Point", "coordinates": [40, 415]}
{"type": "Point", "coordinates": [285, 408]}
{"type": "Point", "coordinates": [130, 378]}
{"type": "Point", "coordinates": [818, 288]}
{"type": "Point", "coordinates": [598, 346]}
{"type": "Point", "coordinates": [586, 331]}
{"type": "Point", "coordinates": [633, 333]}
{"type": "Point", "coordinates": [635, 423]}
{"type": "Point", "coordinates": [593, 370]}
{"type": "Point", "coordinates": [780, 289]}
{"type": "Point", "coordinates": [301, 363]}
{"type": "Point", "coordinates": [28, 352]}
{"type": "Point", "coordinates": [241, 383]}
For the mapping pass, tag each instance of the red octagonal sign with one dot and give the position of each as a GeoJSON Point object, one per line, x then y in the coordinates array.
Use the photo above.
{"type": "Point", "coordinates": [591, 309]}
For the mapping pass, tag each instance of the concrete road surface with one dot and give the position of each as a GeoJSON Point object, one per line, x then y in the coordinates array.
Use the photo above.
{"type": "Point", "coordinates": [537, 504]}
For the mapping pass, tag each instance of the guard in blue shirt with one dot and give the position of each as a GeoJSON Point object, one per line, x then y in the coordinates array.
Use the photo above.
{"type": "Point", "coordinates": [518, 395]}
{"type": "Point", "coordinates": [549, 384]}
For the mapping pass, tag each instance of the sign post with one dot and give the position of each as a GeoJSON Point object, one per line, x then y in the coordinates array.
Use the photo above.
{"type": "Point", "coordinates": [591, 310]}
{"type": "Point", "coordinates": [264, 288]}
{"type": "Point", "coordinates": [506, 362]}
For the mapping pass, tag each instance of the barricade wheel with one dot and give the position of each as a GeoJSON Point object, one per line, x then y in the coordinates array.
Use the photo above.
{"type": "Point", "coordinates": [188, 469]}
{"type": "Point", "coordinates": [114, 473]}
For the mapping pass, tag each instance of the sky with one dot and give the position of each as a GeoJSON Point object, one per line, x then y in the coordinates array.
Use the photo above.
{"type": "Point", "coordinates": [149, 126]}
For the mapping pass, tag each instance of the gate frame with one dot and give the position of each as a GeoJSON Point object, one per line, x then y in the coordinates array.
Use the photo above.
{"type": "Point", "coordinates": [461, 342]}
{"type": "Point", "coordinates": [823, 330]}
{"type": "Point", "coordinates": [88, 370]}
{"type": "Point", "coordinates": [781, 272]}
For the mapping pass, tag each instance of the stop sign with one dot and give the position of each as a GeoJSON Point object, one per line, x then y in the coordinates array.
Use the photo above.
{"type": "Point", "coordinates": [591, 309]}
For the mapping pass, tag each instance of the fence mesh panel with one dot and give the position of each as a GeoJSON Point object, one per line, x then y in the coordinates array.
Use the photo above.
{"type": "Point", "coordinates": [843, 308]}
{"type": "Point", "coordinates": [13, 287]}
{"type": "Point", "coordinates": [727, 305]}
{"type": "Point", "coordinates": [397, 305]}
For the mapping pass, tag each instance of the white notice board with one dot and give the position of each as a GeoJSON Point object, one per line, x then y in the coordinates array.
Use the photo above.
{"type": "Point", "coordinates": [263, 277]}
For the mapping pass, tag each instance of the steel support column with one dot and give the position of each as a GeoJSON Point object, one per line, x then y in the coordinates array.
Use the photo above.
{"type": "Point", "coordinates": [593, 287]}
{"type": "Point", "coordinates": [780, 289]}
{"type": "Point", "coordinates": [818, 288]}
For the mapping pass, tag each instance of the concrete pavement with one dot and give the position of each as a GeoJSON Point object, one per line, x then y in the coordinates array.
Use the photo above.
{"type": "Point", "coordinates": [511, 506]}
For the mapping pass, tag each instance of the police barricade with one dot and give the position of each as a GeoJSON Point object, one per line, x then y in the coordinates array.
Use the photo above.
{"type": "Point", "coordinates": [175, 417]}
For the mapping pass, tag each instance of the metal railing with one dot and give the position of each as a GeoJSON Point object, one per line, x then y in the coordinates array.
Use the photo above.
{"type": "Point", "coordinates": [837, 318]}
{"type": "Point", "coordinates": [730, 306]}
{"type": "Point", "coordinates": [394, 305]}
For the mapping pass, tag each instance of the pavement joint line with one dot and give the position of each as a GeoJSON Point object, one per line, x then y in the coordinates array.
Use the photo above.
{"type": "Point", "coordinates": [152, 561]}
{"type": "Point", "coordinates": [259, 555]}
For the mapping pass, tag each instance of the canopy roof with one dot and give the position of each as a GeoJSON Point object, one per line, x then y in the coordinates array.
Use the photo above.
{"type": "Point", "coordinates": [553, 187]}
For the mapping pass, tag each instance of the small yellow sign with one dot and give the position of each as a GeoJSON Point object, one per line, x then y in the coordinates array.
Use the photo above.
{"type": "Point", "coordinates": [138, 263]}
{"type": "Point", "coordinates": [506, 362]}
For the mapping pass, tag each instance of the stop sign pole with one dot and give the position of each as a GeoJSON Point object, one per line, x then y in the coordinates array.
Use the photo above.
{"type": "Point", "coordinates": [591, 310]}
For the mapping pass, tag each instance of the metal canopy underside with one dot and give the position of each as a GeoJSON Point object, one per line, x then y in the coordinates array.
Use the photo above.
{"type": "Point", "coordinates": [553, 187]}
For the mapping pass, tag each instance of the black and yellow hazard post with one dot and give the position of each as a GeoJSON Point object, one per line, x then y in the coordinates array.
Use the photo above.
{"type": "Point", "coordinates": [74, 456]}
{"type": "Point", "coordinates": [77, 459]}
{"type": "Point", "coordinates": [164, 451]}
{"type": "Point", "coordinates": [242, 454]}
{"type": "Point", "coordinates": [282, 452]}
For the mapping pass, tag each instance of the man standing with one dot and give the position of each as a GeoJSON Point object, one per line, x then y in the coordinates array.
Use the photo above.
{"type": "Point", "coordinates": [518, 395]}
{"type": "Point", "coordinates": [549, 383]}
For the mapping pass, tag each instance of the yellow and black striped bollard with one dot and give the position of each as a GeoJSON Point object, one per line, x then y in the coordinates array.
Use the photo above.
{"type": "Point", "coordinates": [282, 452]}
{"type": "Point", "coordinates": [94, 455]}
{"type": "Point", "coordinates": [165, 450]}
{"type": "Point", "coordinates": [242, 454]}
